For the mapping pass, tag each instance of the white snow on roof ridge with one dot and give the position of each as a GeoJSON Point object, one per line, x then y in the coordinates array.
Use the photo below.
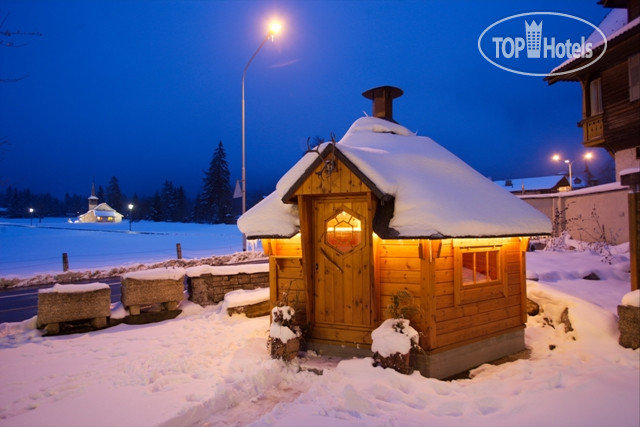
{"type": "Point", "coordinates": [531, 183]}
{"type": "Point", "coordinates": [613, 25]}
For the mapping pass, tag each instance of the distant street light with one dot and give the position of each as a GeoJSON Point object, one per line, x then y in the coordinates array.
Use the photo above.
{"type": "Point", "coordinates": [556, 158]}
{"type": "Point", "coordinates": [31, 214]}
{"type": "Point", "coordinates": [274, 29]}
{"type": "Point", "coordinates": [130, 215]}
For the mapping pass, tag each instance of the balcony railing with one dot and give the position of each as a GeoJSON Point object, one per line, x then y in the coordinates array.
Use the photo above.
{"type": "Point", "coordinates": [592, 130]}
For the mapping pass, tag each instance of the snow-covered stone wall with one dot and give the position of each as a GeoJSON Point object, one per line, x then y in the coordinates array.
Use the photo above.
{"type": "Point", "coordinates": [209, 287]}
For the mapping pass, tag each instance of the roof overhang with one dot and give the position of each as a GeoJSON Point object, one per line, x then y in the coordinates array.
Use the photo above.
{"type": "Point", "coordinates": [333, 148]}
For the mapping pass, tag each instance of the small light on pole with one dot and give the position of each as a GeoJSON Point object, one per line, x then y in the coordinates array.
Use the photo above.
{"type": "Point", "coordinates": [556, 158]}
{"type": "Point", "coordinates": [31, 214]}
{"type": "Point", "coordinates": [274, 28]}
{"type": "Point", "coordinates": [130, 214]}
{"type": "Point", "coordinates": [590, 180]}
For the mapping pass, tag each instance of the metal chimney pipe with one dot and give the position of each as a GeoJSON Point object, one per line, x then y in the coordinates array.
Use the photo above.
{"type": "Point", "coordinates": [382, 98]}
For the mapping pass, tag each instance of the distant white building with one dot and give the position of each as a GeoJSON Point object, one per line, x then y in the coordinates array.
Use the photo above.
{"type": "Point", "coordinates": [537, 185]}
{"type": "Point", "coordinates": [99, 212]}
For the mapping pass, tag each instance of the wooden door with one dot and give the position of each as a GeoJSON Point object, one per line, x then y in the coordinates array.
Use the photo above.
{"type": "Point", "coordinates": [343, 294]}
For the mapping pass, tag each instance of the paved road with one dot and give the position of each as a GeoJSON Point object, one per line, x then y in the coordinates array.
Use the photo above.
{"type": "Point", "coordinates": [20, 304]}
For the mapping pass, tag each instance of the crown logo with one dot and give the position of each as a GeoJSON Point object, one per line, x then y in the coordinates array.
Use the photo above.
{"type": "Point", "coordinates": [534, 34]}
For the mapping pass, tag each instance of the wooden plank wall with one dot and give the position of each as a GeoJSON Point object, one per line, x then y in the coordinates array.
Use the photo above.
{"type": "Point", "coordinates": [485, 312]}
{"type": "Point", "coordinates": [340, 181]}
{"type": "Point", "coordinates": [621, 124]}
{"type": "Point", "coordinates": [286, 275]}
{"type": "Point", "coordinates": [426, 270]}
{"type": "Point", "coordinates": [397, 267]}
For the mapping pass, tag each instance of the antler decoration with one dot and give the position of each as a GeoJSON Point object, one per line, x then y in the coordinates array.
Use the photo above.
{"type": "Point", "coordinates": [329, 162]}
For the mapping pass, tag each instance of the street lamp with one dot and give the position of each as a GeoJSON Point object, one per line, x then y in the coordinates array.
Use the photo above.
{"type": "Point", "coordinates": [130, 214]}
{"type": "Point", "coordinates": [31, 214]}
{"type": "Point", "coordinates": [590, 180]}
{"type": "Point", "coordinates": [556, 158]}
{"type": "Point", "coordinates": [274, 28]}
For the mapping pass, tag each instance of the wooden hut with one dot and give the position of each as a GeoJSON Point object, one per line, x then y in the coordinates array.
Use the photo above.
{"type": "Point", "coordinates": [384, 210]}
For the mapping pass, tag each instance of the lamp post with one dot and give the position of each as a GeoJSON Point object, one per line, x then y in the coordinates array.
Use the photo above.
{"type": "Point", "coordinates": [274, 29]}
{"type": "Point", "coordinates": [130, 215]}
{"type": "Point", "coordinates": [556, 158]}
{"type": "Point", "coordinates": [588, 156]}
{"type": "Point", "coordinates": [31, 215]}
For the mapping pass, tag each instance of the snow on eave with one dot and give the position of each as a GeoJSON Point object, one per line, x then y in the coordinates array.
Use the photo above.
{"type": "Point", "coordinates": [270, 218]}
{"type": "Point", "coordinates": [603, 188]}
{"type": "Point", "coordinates": [612, 36]}
{"type": "Point", "coordinates": [629, 171]}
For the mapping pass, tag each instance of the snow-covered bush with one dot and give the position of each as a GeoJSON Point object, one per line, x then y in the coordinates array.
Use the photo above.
{"type": "Point", "coordinates": [393, 340]}
{"type": "Point", "coordinates": [392, 344]}
{"type": "Point", "coordinates": [284, 334]}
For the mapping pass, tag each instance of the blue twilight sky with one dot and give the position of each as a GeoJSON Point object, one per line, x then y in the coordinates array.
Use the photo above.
{"type": "Point", "coordinates": [144, 90]}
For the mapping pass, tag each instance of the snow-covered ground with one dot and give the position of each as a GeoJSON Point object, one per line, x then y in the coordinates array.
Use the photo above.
{"type": "Point", "coordinates": [206, 368]}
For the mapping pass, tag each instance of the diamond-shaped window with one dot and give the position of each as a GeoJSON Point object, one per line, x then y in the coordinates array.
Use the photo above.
{"type": "Point", "coordinates": [344, 231]}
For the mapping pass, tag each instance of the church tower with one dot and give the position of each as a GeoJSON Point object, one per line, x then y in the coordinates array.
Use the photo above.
{"type": "Point", "coordinates": [93, 200]}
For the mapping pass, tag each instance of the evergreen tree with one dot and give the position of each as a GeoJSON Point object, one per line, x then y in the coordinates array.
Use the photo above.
{"type": "Point", "coordinates": [100, 194]}
{"type": "Point", "coordinates": [168, 199]}
{"type": "Point", "coordinates": [155, 213]}
{"type": "Point", "coordinates": [182, 205]}
{"type": "Point", "coordinates": [215, 201]}
{"type": "Point", "coordinates": [114, 196]}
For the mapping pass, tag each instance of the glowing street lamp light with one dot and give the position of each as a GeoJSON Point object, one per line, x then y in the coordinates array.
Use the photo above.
{"type": "Point", "coordinates": [274, 28]}
{"type": "Point", "coordinates": [130, 214]}
{"type": "Point", "coordinates": [556, 158]}
{"type": "Point", "coordinates": [31, 214]}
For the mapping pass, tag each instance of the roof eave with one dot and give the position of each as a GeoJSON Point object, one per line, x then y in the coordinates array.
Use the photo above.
{"type": "Point", "coordinates": [322, 155]}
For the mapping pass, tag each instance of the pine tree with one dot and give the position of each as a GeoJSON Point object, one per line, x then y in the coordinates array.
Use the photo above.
{"type": "Point", "coordinates": [114, 196]}
{"type": "Point", "coordinates": [100, 194]}
{"type": "Point", "coordinates": [182, 205]}
{"type": "Point", "coordinates": [169, 203]}
{"type": "Point", "coordinates": [215, 202]}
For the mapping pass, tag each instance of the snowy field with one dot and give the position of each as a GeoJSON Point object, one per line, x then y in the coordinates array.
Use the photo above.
{"type": "Point", "coordinates": [205, 368]}
{"type": "Point", "coordinates": [27, 250]}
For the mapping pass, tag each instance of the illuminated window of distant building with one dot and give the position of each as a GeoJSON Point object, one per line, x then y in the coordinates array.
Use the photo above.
{"type": "Point", "coordinates": [343, 231]}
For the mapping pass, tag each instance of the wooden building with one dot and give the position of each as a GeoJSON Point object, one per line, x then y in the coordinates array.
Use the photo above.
{"type": "Point", "coordinates": [611, 105]}
{"type": "Point", "coordinates": [611, 86]}
{"type": "Point", "coordinates": [383, 210]}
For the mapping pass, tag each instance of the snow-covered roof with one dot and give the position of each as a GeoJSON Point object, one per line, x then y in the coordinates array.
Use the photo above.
{"type": "Point", "coordinates": [531, 184]}
{"type": "Point", "coordinates": [613, 25]}
{"type": "Point", "coordinates": [433, 193]}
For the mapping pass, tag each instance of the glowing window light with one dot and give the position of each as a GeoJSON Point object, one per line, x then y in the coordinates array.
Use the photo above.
{"type": "Point", "coordinates": [343, 231]}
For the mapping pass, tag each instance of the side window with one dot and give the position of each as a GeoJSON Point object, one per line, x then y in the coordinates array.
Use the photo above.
{"type": "Point", "coordinates": [595, 96]}
{"type": "Point", "coordinates": [480, 266]}
{"type": "Point", "coordinates": [479, 272]}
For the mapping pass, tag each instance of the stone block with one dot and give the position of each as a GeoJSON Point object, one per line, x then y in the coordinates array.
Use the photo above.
{"type": "Point", "coordinates": [252, 310]}
{"type": "Point", "coordinates": [68, 303]}
{"type": "Point", "coordinates": [629, 326]}
{"type": "Point", "coordinates": [140, 290]}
